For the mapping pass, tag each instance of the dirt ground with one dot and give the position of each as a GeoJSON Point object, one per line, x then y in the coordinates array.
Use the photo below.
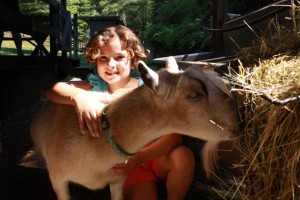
{"type": "Point", "coordinates": [23, 175]}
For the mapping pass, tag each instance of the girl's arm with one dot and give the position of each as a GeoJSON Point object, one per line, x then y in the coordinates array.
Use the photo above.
{"type": "Point", "coordinates": [87, 106]}
{"type": "Point", "coordinates": [64, 92]}
{"type": "Point", "coordinates": [161, 147]}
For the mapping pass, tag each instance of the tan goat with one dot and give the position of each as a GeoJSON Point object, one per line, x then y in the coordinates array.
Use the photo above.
{"type": "Point", "coordinates": [186, 102]}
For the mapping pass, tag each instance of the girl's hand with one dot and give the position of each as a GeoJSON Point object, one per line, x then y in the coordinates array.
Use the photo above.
{"type": "Point", "coordinates": [126, 167]}
{"type": "Point", "coordinates": [89, 108]}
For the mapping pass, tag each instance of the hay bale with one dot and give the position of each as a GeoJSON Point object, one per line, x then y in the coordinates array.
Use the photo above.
{"type": "Point", "coordinates": [269, 106]}
{"type": "Point", "coordinates": [267, 89]}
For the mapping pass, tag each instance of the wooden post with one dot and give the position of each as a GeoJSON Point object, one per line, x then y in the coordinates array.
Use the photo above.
{"type": "Point", "coordinates": [219, 11]}
{"type": "Point", "coordinates": [54, 38]}
{"type": "Point", "coordinates": [75, 35]}
{"type": "Point", "coordinates": [64, 5]}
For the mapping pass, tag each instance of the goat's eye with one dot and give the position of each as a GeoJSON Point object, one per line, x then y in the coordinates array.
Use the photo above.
{"type": "Point", "coordinates": [194, 94]}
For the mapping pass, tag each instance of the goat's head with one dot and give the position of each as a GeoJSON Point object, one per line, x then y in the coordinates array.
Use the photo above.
{"type": "Point", "coordinates": [201, 107]}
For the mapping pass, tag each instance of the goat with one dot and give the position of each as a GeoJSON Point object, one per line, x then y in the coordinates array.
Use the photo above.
{"type": "Point", "coordinates": [170, 101]}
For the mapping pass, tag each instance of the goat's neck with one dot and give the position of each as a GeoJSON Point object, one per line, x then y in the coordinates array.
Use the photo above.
{"type": "Point", "coordinates": [136, 121]}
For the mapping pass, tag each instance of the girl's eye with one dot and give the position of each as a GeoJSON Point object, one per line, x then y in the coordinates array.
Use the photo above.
{"type": "Point", "coordinates": [102, 58]}
{"type": "Point", "coordinates": [119, 58]}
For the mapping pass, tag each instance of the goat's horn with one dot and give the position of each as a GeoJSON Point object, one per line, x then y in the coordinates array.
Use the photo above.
{"type": "Point", "coordinates": [149, 76]}
{"type": "Point", "coordinates": [172, 66]}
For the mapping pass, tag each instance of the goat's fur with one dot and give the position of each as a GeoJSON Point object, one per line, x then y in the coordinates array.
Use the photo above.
{"type": "Point", "coordinates": [186, 102]}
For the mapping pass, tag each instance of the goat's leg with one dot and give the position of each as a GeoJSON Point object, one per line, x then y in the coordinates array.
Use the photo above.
{"type": "Point", "coordinates": [61, 188]}
{"type": "Point", "coordinates": [116, 188]}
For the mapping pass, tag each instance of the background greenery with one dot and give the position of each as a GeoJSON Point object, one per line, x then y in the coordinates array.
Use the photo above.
{"type": "Point", "coordinates": [176, 26]}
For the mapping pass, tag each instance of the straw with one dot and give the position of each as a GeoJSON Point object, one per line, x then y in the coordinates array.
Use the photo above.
{"type": "Point", "coordinates": [267, 86]}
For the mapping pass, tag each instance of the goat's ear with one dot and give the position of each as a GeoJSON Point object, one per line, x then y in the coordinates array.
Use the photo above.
{"type": "Point", "coordinates": [219, 82]}
{"type": "Point", "coordinates": [171, 65]}
{"type": "Point", "coordinates": [149, 76]}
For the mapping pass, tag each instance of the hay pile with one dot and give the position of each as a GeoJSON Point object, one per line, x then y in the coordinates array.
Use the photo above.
{"type": "Point", "coordinates": [270, 140]}
{"type": "Point", "coordinates": [268, 100]}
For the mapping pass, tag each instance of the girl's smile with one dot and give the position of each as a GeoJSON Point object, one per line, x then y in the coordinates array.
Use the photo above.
{"type": "Point", "coordinates": [112, 74]}
{"type": "Point", "coordinates": [114, 66]}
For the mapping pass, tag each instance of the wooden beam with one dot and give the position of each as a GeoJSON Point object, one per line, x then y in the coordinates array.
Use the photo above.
{"type": "Point", "coordinates": [12, 19]}
{"type": "Point", "coordinates": [220, 8]}
{"type": "Point", "coordinates": [55, 4]}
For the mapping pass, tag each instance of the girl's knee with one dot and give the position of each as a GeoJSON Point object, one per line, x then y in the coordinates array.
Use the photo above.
{"type": "Point", "coordinates": [180, 161]}
{"type": "Point", "coordinates": [183, 158]}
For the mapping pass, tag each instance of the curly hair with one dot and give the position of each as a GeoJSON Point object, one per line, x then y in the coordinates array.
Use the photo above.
{"type": "Point", "coordinates": [129, 41]}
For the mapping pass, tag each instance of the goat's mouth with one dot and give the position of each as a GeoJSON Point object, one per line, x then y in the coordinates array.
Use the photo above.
{"type": "Point", "coordinates": [230, 135]}
{"type": "Point", "coordinates": [224, 127]}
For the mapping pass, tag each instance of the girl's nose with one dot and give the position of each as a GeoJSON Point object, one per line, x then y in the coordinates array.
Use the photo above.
{"type": "Point", "coordinates": [112, 62]}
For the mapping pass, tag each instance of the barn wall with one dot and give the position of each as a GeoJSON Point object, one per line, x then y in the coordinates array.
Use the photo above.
{"type": "Point", "coordinates": [22, 82]}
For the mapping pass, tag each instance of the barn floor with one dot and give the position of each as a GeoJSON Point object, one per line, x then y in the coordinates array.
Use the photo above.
{"type": "Point", "coordinates": [24, 177]}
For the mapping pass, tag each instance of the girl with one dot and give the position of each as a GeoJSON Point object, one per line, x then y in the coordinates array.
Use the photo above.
{"type": "Point", "coordinates": [115, 51]}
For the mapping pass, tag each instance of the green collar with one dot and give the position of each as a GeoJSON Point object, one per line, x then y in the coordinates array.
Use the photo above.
{"type": "Point", "coordinates": [109, 137]}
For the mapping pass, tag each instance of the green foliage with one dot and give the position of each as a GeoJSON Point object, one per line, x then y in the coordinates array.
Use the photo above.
{"type": "Point", "coordinates": [86, 8]}
{"type": "Point", "coordinates": [135, 13]}
{"type": "Point", "coordinates": [177, 26]}
{"type": "Point", "coordinates": [34, 7]}
{"type": "Point", "coordinates": [73, 6]}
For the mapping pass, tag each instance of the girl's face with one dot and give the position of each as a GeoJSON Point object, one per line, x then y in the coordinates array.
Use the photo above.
{"type": "Point", "coordinates": [113, 64]}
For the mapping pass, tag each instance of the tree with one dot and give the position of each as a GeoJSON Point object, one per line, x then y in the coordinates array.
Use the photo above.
{"type": "Point", "coordinates": [86, 8]}
{"type": "Point", "coordinates": [34, 7]}
{"type": "Point", "coordinates": [135, 13]}
{"type": "Point", "coordinates": [176, 27]}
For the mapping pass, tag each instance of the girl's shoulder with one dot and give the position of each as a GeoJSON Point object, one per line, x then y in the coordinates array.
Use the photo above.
{"type": "Point", "coordinates": [97, 83]}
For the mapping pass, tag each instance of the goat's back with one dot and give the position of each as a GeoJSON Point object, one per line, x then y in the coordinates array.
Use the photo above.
{"type": "Point", "coordinates": [69, 155]}
{"type": "Point", "coordinates": [51, 124]}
